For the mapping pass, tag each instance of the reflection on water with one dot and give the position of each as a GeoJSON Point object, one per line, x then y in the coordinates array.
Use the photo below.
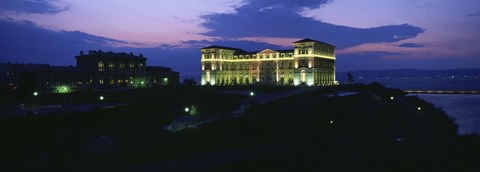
{"type": "Point", "coordinates": [463, 107]}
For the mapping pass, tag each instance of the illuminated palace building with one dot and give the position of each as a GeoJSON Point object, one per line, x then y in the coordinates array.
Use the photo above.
{"type": "Point", "coordinates": [309, 63]}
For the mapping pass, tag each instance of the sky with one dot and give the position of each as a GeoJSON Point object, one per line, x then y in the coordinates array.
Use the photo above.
{"type": "Point", "coordinates": [368, 34]}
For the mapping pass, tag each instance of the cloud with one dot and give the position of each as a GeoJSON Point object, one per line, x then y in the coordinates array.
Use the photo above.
{"type": "Point", "coordinates": [271, 7]}
{"type": "Point", "coordinates": [170, 33]}
{"type": "Point", "coordinates": [473, 15]}
{"type": "Point", "coordinates": [24, 42]}
{"type": "Point", "coordinates": [33, 6]}
{"type": "Point", "coordinates": [285, 21]}
{"type": "Point", "coordinates": [379, 60]}
{"type": "Point", "coordinates": [148, 22]}
{"type": "Point", "coordinates": [410, 45]}
{"type": "Point", "coordinates": [448, 28]}
{"type": "Point", "coordinates": [283, 42]}
{"type": "Point", "coordinates": [246, 44]}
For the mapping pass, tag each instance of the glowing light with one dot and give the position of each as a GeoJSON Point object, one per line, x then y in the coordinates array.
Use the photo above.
{"type": "Point", "coordinates": [101, 98]}
{"type": "Point", "coordinates": [419, 108]}
{"type": "Point", "coordinates": [252, 93]}
{"type": "Point", "coordinates": [35, 93]}
{"type": "Point", "coordinates": [391, 98]}
{"type": "Point", "coordinates": [63, 89]}
{"type": "Point", "coordinates": [142, 82]}
{"type": "Point", "coordinates": [331, 122]}
{"type": "Point", "coordinates": [309, 83]}
{"type": "Point", "coordinates": [187, 109]}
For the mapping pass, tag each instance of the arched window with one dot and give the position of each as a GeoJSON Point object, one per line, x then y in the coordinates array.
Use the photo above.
{"type": "Point", "coordinates": [303, 76]}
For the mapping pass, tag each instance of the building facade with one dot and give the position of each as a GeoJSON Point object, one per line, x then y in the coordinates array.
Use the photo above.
{"type": "Point", "coordinates": [95, 70]}
{"type": "Point", "coordinates": [113, 70]}
{"type": "Point", "coordinates": [310, 63]}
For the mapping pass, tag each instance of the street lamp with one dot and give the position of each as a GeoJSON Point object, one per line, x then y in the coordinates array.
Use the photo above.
{"type": "Point", "coordinates": [252, 93]}
{"type": "Point", "coordinates": [419, 108]}
{"type": "Point", "coordinates": [35, 93]}
{"type": "Point", "coordinates": [187, 109]}
{"type": "Point", "coordinates": [101, 98]}
{"type": "Point", "coordinates": [391, 98]}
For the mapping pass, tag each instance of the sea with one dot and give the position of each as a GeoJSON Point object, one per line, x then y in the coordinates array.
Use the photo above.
{"type": "Point", "coordinates": [464, 108]}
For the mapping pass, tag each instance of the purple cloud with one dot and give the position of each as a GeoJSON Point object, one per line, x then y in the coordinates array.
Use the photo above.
{"type": "Point", "coordinates": [410, 45]}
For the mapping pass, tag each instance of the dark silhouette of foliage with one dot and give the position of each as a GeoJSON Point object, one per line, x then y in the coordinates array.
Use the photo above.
{"type": "Point", "coordinates": [189, 82]}
{"type": "Point", "coordinates": [27, 83]}
{"type": "Point", "coordinates": [350, 78]}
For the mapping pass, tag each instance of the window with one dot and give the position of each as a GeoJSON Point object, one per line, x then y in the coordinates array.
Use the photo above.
{"type": "Point", "coordinates": [207, 77]}
{"type": "Point", "coordinates": [132, 66]}
{"type": "Point", "coordinates": [165, 81]}
{"type": "Point", "coordinates": [122, 66]}
{"type": "Point", "coordinates": [303, 76]}
{"type": "Point", "coordinates": [140, 65]}
{"type": "Point", "coordinates": [100, 66]}
{"type": "Point", "coordinates": [111, 66]}
{"type": "Point", "coordinates": [100, 81]}
{"type": "Point", "coordinates": [112, 81]}
{"type": "Point", "coordinates": [303, 50]}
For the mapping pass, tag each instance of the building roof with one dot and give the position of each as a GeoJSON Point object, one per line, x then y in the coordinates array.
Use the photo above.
{"type": "Point", "coordinates": [222, 47]}
{"type": "Point", "coordinates": [311, 40]}
{"type": "Point", "coordinates": [284, 51]}
{"type": "Point", "coordinates": [110, 54]}
{"type": "Point", "coordinates": [255, 52]}
{"type": "Point", "coordinates": [239, 51]}
{"type": "Point", "coordinates": [59, 69]}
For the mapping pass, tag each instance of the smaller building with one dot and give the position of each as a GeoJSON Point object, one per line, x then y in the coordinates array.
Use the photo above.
{"type": "Point", "coordinates": [95, 70]}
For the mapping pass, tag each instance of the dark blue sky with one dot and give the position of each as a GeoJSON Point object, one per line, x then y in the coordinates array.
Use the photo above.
{"type": "Point", "coordinates": [429, 34]}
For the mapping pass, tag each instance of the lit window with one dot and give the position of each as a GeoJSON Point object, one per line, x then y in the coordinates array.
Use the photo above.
{"type": "Point", "coordinates": [111, 66]}
{"type": "Point", "coordinates": [112, 81]}
{"type": "Point", "coordinates": [100, 66]}
{"type": "Point", "coordinates": [122, 66]}
{"type": "Point", "coordinates": [208, 76]}
{"type": "Point", "coordinates": [303, 76]}
{"type": "Point", "coordinates": [101, 81]}
{"type": "Point", "coordinates": [132, 66]}
{"type": "Point", "coordinates": [140, 65]}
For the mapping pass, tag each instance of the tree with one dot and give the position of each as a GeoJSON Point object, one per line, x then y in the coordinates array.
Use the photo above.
{"type": "Point", "coordinates": [350, 77]}
{"type": "Point", "coordinates": [189, 82]}
{"type": "Point", "coordinates": [27, 83]}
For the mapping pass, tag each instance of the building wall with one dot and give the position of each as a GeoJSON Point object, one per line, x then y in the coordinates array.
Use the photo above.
{"type": "Point", "coordinates": [309, 63]}
{"type": "Point", "coordinates": [113, 70]}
